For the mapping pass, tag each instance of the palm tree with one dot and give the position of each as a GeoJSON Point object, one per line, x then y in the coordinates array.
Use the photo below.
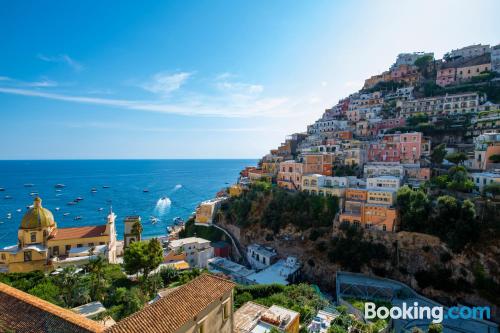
{"type": "Point", "coordinates": [137, 230]}
{"type": "Point", "coordinates": [98, 283]}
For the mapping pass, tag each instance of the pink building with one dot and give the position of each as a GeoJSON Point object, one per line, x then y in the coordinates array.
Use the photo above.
{"type": "Point", "coordinates": [290, 175]}
{"type": "Point", "coordinates": [446, 75]}
{"type": "Point", "coordinates": [411, 147]}
{"type": "Point", "coordinates": [404, 148]}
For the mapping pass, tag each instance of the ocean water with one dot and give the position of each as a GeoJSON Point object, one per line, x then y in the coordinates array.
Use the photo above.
{"type": "Point", "coordinates": [175, 188]}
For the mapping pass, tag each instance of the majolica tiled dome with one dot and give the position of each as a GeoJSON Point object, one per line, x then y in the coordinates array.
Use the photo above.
{"type": "Point", "coordinates": [37, 217]}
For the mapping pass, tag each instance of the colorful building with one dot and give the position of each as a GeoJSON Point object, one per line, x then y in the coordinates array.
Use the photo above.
{"type": "Point", "coordinates": [207, 211]}
{"type": "Point", "coordinates": [252, 317]}
{"type": "Point", "coordinates": [41, 245]}
{"type": "Point", "coordinates": [290, 175]}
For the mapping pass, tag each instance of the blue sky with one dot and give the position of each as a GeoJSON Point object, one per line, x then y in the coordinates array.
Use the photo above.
{"type": "Point", "coordinates": [201, 79]}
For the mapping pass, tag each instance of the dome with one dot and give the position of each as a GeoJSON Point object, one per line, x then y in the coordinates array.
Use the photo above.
{"type": "Point", "coordinates": [37, 217]}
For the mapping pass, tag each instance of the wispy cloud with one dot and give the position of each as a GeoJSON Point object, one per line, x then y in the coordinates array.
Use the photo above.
{"type": "Point", "coordinates": [5, 78]}
{"type": "Point", "coordinates": [62, 58]}
{"type": "Point", "coordinates": [44, 83]}
{"type": "Point", "coordinates": [165, 83]}
{"type": "Point", "coordinates": [127, 127]}
{"type": "Point", "coordinates": [226, 82]}
{"type": "Point", "coordinates": [199, 106]}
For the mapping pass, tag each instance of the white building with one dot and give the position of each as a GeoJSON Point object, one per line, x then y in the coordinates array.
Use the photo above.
{"type": "Point", "coordinates": [235, 271]}
{"type": "Point", "coordinates": [322, 126]}
{"type": "Point", "coordinates": [260, 256]}
{"type": "Point", "coordinates": [481, 179]}
{"type": "Point", "coordinates": [495, 58]}
{"type": "Point", "coordinates": [198, 250]}
{"type": "Point", "coordinates": [322, 321]}
{"type": "Point", "coordinates": [376, 169]}
{"type": "Point", "coordinates": [405, 93]}
{"type": "Point", "coordinates": [383, 182]}
{"type": "Point", "coordinates": [470, 51]}
{"type": "Point", "coordinates": [410, 58]}
{"type": "Point", "coordinates": [282, 272]}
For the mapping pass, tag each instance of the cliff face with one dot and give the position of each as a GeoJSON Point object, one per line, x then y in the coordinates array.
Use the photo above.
{"type": "Point", "coordinates": [419, 260]}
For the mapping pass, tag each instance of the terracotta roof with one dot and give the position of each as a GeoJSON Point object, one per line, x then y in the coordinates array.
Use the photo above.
{"type": "Point", "coordinates": [177, 308]}
{"type": "Point", "coordinates": [24, 313]}
{"type": "Point", "coordinates": [78, 232]}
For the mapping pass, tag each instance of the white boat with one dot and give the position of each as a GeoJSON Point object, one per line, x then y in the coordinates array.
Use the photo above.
{"type": "Point", "coordinates": [60, 186]}
{"type": "Point", "coordinates": [9, 216]}
{"type": "Point", "coordinates": [57, 208]}
{"type": "Point", "coordinates": [94, 190]}
{"type": "Point", "coordinates": [100, 209]}
{"type": "Point", "coordinates": [65, 214]}
{"type": "Point", "coordinates": [154, 219]}
{"type": "Point", "coordinates": [8, 197]}
{"type": "Point", "coordinates": [18, 210]}
{"type": "Point", "coordinates": [29, 185]}
{"type": "Point", "coordinates": [76, 218]}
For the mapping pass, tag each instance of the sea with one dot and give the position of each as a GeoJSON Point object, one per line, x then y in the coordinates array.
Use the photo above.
{"type": "Point", "coordinates": [164, 189]}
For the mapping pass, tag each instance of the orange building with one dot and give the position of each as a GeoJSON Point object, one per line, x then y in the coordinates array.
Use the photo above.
{"type": "Point", "coordinates": [290, 175]}
{"type": "Point", "coordinates": [359, 212]}
{"type": "Point", "coordinates": [318, 163]}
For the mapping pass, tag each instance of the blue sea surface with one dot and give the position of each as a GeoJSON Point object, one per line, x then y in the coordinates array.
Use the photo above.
{"type": "Point", "coordinates": [175, 188]}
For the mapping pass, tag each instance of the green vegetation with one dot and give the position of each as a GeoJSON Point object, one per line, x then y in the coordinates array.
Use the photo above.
{"type": "Point", "coordinates": [350, 250]}
{"type": "Point", "coordinates": [457, 179]}
{"type": "Point", "coordinates": [456, 158]}
{"type": "Point", "coordinates": [210, 233]}
{"type": "Point", "coordinates": [495, 158]}
{"type": "Point", "coordinates": [438, 154]}
{"type": "Point", "coordinates": [301, 298]}
{"type": "Point", "coordinates": [481, 85]}
{"type": "Point", "coordinates": [345, 323]}
{"type": "Point", "coordinates": [419, 118]}
{"type": "Point", "coordinates": [143, 257]}
{"type": "Point", "coordinates": [275, 208]}
{"type": "Point", "coordinates": [452, 220]}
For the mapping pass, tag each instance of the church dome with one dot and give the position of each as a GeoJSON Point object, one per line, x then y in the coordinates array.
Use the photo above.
{"type": "Point", "coordinates": [37, 217]}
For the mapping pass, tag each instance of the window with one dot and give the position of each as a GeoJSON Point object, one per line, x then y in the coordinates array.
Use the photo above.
{"type": "Point", "coordinates": [3, 256]}
{"type": "Point", "coordinates": [27, 256]}
{"type": "Point", "coordinates": [79, 245]}
{"type": "Point", "coordinates": [201, 327]}
{"type": "Point", "coordinates": [226, 310]}
{"type": "Point", "coordinates": [91, 244]}
{"type": "Point", "coordinates": [55, 250]}
{"type": "Point", "coordinates": [68, 248]}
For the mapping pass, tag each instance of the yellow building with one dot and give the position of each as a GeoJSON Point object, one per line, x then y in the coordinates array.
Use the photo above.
{"type": "Point", "coordinates": [43, 246]}
{"type": "Point", "coordinates": [207, 210]}
{"type": "Point", "coordinates": [235, 190]}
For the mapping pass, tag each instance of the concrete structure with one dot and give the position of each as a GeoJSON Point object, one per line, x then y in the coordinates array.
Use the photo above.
{"type": "Point", "coordinates": [260, 256]}
{"type": "Point", "coordinates": [40, 242]}
{"type": "Point", "coordinates": [383, 182]}
{"type": "Point", "coordinates": [255, 318]}
{"type": "Point", "coordinates": [404, 148]}
{"type": "Point", "coordinates": [485, 146]}
{"type": "Point", "coordinates": [469, 51]}
{"type": "Point", "coordinates": [410, 58]}
{"type": "Point", "coordinates": [473, 67]}
{"type": "Point", "coordinates": [198, 250]}
{"type": "Point", "coordinates": [290, 175]}
{"type": "Point", "coordinates": [281, 272]}
{"type": "Point", "coordinates": [482, 179]}
{"type": "Point", "coordinates": [449, 105]}
{"type": "Point", "coordinates": [203, 305]}
{"type": "Point", "coordinates": [323, 126]}
{"type": "Point", "coordinates": [130, 232]}
{"type": "Point", "coordinates": [238, 273]}
{"type": "Point", "coordinates": [404, 93]}
{"type": "Point", "coordinates": [495, 58]}
{"type": "Point", "coordinates": [321, 322]}
{"type": "Point", "coordinates": [371, 288]}
{"type": "Point", "coordinates": [317, 163]}
{"type": "Point", "coordinates": [375, 169]}
{"type": "Point", "coordinates": [207, 210]}
{"type": "Point", "coordinates": [361, 213]}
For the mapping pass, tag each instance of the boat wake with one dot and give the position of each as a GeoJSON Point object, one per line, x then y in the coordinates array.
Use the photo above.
{"type": "Point", "coordinates": [177, 187]}
{"type": "Point", "coordinates": [162, 206]}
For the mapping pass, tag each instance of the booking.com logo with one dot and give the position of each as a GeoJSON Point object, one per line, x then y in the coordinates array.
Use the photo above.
{"type": "Point", "coordinates": [435, 313]}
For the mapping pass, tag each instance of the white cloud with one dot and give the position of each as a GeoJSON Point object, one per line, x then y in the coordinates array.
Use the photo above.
{"type": "Point", "coordinates": [42, 83]}
{"type": "Point", "coordinates": [198, 106]}
{"type": "Point", "coordinates": [62, 58]}
{"type": "Point", "coordinates": [225, 83]}
{"type": "Point", "coordinates": [165, 83]}
{"type": "Point", "coordinates": [5, 78]}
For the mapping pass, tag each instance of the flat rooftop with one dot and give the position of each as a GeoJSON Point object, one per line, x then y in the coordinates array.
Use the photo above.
{"type": "Point", "coordinates": [276, 273]}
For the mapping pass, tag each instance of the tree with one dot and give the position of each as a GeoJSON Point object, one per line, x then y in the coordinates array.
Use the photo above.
{"type": "Point", "coordinates": [456, 158]}
{"type": "Point", "coordinates": [435, 328]}
{"type": "Point", "coordinates": [143, 257]}
{"type": "Point", "coordinates": [495, 158]}
{"type": "Point", "coordinates": [438, 154]}
{"type": "Point", "coordinates": [137, 229]}
{"type": "Point", "coordinates": [459, 179]}
{"type": "Point", "coordinates": [413, 207]}
{"type": "Point", "coordinates": [98, 283]}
